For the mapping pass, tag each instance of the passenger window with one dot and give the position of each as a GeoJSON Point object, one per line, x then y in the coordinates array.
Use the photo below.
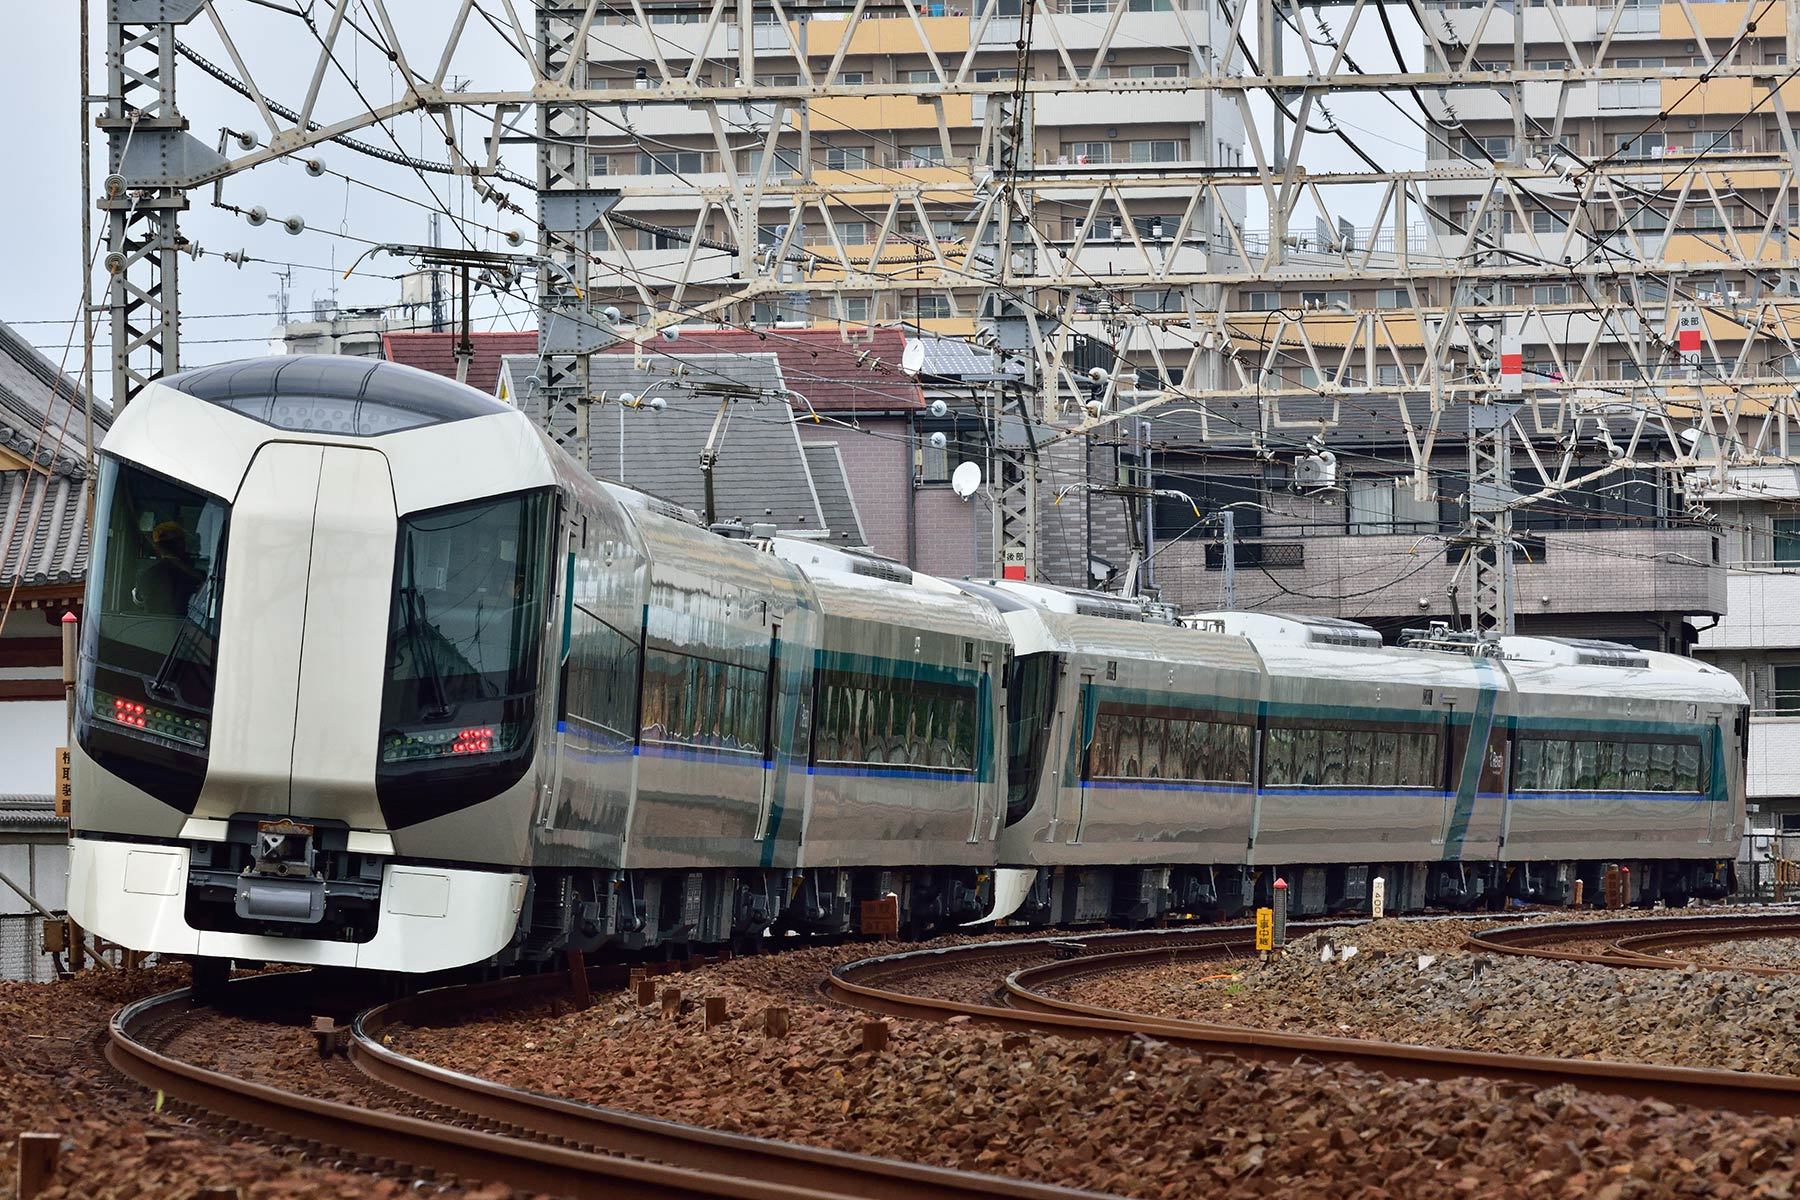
{"type": "Point", "coordinates": [1384, 769]}
{"type": "Point", "coordinates": [1306, 757]}
{"type": "Point", "coordinates": [1333, 753]}
{"type": "Point", "coordinates": [1278, 757]}
{"type": "Point", "coordinates": [1637, 766]}
{"type": "Point", "coordinates": [1361, 744]}
{"type": "Point", "coordinates": [1528, 774]}
{"type": "Point", "coordinates": [1585, 766]}
{"type": "Point", "coordinates": [1155, 730]}
{"type": "Point", "coordinates": [1687, 767]}
{"type": "Point", "coordinates": [1611, 762]}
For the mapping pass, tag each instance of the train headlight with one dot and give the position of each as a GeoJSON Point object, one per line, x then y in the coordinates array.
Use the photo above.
{"type": "Point", "coordinates": [410, 745]}
{"type": "Point", "coordinates": [147, 720]}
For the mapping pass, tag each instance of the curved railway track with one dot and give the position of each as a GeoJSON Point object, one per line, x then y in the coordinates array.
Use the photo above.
{"type": "Point", "coordinates": [415, 1118]}
{"type": "Point", "coordinates": [1020, 1001]}
{"type": "Point", "coordinates": [400, 1115]}
{"type": "Point", "coordinates": [1643, 942]}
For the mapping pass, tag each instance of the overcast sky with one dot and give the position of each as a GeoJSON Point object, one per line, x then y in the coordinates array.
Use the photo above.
{"type": "Point", "coordinates": [229, 311]}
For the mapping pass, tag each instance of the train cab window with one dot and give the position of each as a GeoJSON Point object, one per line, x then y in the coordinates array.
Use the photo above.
{"type": "Point", "coordinates": [465, 635]}
{"type": "Point", "coordinates": [150, 645]}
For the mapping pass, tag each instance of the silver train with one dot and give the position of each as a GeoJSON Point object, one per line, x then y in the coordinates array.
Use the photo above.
{"type": "Point", "coordinates": [373, 676]}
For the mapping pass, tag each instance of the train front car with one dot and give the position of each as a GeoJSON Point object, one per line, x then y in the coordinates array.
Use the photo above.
{"type": "Point", "coordinates": [308, 718]}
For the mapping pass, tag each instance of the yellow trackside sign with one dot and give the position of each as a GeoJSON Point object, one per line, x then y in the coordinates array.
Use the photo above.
{"type": "Point", "coordinates": [1265, 930]}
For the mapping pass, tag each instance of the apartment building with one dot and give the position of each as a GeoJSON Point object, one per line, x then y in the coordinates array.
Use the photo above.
{"type": "Point", "coordinates": [883, 181]}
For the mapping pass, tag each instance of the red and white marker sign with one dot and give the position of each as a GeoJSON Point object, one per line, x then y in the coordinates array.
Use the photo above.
{"type": "Point", "coordinates": [1512, 364]}
{"type": "Point", "coordinates": [1687, 336]}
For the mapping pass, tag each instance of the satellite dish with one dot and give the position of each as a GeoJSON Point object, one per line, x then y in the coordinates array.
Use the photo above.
{"type": "Point", "coordinates": [966, 479]}
{"type": "Point", "coordinates": [912, 359]}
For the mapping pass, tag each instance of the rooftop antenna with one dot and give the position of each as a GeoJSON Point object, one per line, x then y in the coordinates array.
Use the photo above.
{"type": "Point", "coordinates": [283, 278]}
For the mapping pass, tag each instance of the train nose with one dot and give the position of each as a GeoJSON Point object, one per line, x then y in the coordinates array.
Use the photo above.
{"type": "Point", "coordinates": [303, 637]}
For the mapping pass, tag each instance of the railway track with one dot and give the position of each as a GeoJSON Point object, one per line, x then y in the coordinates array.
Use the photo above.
{"type": "Point", "coordinates": [410, 1117]}
{"type": "Point", "coordinates": [1643, 942]}
{"type": "Point", "coordinates": [1017, 997]}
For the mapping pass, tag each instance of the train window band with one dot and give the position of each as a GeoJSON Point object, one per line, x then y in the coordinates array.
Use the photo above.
{"type": "Point", "coordinates": [1592, 764]}
{"type": "Point", "coordinates": [878, 718]}
{"type": "Point", "coordinates": [1296, 755]}
{"type": "Point", "coordinates": [703, 702]}
{"type": "Point", "coordinates": [600, 675]}
{"type": "Point", "coordinates": [1135, 743]}
{"type": "Point", "coordinates": [465, 640]}
{"type": "Point", "coordinates": [149, 652]}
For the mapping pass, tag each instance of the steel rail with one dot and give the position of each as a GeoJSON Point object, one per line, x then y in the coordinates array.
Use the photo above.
{"type": "Point", "coordinates": [529, 1165]}
{"type": "Point", "coordinates": [1029, 1008]}
{"type": "Point", "coordinates": [616, 1132]}
{"type": "Point", "coordinates": [1631, 941]}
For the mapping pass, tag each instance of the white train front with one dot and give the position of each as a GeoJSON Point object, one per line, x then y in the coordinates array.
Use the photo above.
{"type": "Point", "coordinates": [373, 676]}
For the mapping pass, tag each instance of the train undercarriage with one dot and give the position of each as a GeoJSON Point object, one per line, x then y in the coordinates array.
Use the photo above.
{"type": "Point", "coordinates": [674, 910]}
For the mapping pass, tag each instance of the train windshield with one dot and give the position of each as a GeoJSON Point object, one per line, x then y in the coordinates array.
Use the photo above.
{"type": "Point", "coordinates": [150, 641]}
{"type": "Point", "coordinates": [465, 636]}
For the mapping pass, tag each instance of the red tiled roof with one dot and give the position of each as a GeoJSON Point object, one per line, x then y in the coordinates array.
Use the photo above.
{"type": "Point", "coordinates": [436, 352]}
{"type": "Point", "coordinates": [836, 375]}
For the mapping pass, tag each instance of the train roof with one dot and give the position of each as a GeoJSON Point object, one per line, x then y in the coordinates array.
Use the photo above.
{"type": "Point", "coordinates": [333, 393]}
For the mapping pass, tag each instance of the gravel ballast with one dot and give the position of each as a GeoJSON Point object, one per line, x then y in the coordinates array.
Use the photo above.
{"type": "Point", "coordinates": [1134, 1118]}
{"type": "Point", "coordinates": [1379, 980]}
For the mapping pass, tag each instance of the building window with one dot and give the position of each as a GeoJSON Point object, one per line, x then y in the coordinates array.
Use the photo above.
{"type": "Point", "coordinates": [1090, 152]}
{"type": "Point", "coordinates": [1262, 301]}
{"type": "Point", "coordinates": [1785, 695]}
{"type": "Point", "coordinates": [1389, 376]}
{"type": "Point", "coordinates": [1157, 300]}
{"type": "Point", "coordinates": [1388, 505]}
{"type": "Point", "coordinates": [929, 155]}
{"type": "Point", "coordinates": [846, 158]}
{"type": "Point", "coordinates": [850, 233]}
{"type": "Point", "coordinates": [1787, 540]}
{"type": "Point", "coordinates": [853, 308]}
{"type": "Point", "coordinates": [931, 308]}
{"type": "Point", "coordinates": [1323, 299]}
{"type": "Point", "coordinates": [1392, 298]}
{"type": "Point", "coordinates": [850, 77]}
{"type": "Point", "coordinates": [1550, 293]}
{"type": "Point", "coordinates": [1157, 150]}
{"type": "Point", "coordinates": [1155, 71]}
{"type": "Point", "coordinates": [962, 443]}
{"type": "Point", "coordinates": [670, 162]}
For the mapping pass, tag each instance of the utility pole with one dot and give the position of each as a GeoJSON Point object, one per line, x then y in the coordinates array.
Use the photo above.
{"type": "Point", "coordinates": [570, 331]}
{"type": "Point", "coordinates": [1490, 552]}
{"type": "Point", "coordinates": [1228, 550]}
{"type": "Point", "coordinates": [151, 161]}
{"type": "Point", "coordinates": [1013, 441]}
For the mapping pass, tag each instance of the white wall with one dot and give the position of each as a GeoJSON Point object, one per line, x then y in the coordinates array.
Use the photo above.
{"type": "Point", "coordinates": [41, 870]}
{"type": "Point", "coordinates": [30, 732]}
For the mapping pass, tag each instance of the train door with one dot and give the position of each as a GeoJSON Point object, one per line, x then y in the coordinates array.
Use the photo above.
{"type": "Point", "coordinates": [1475, 789]}
{"type": "Point", "coordinates": [1718, 771]}
{"type": "Point", "coordinates": [553, 733]}
{"type": "Point", "coordinates": [771, 730]}
{"type": "Point", "coordinates": [988, 733]}
{"type": "Point", "coordinates": [1084, 752]}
